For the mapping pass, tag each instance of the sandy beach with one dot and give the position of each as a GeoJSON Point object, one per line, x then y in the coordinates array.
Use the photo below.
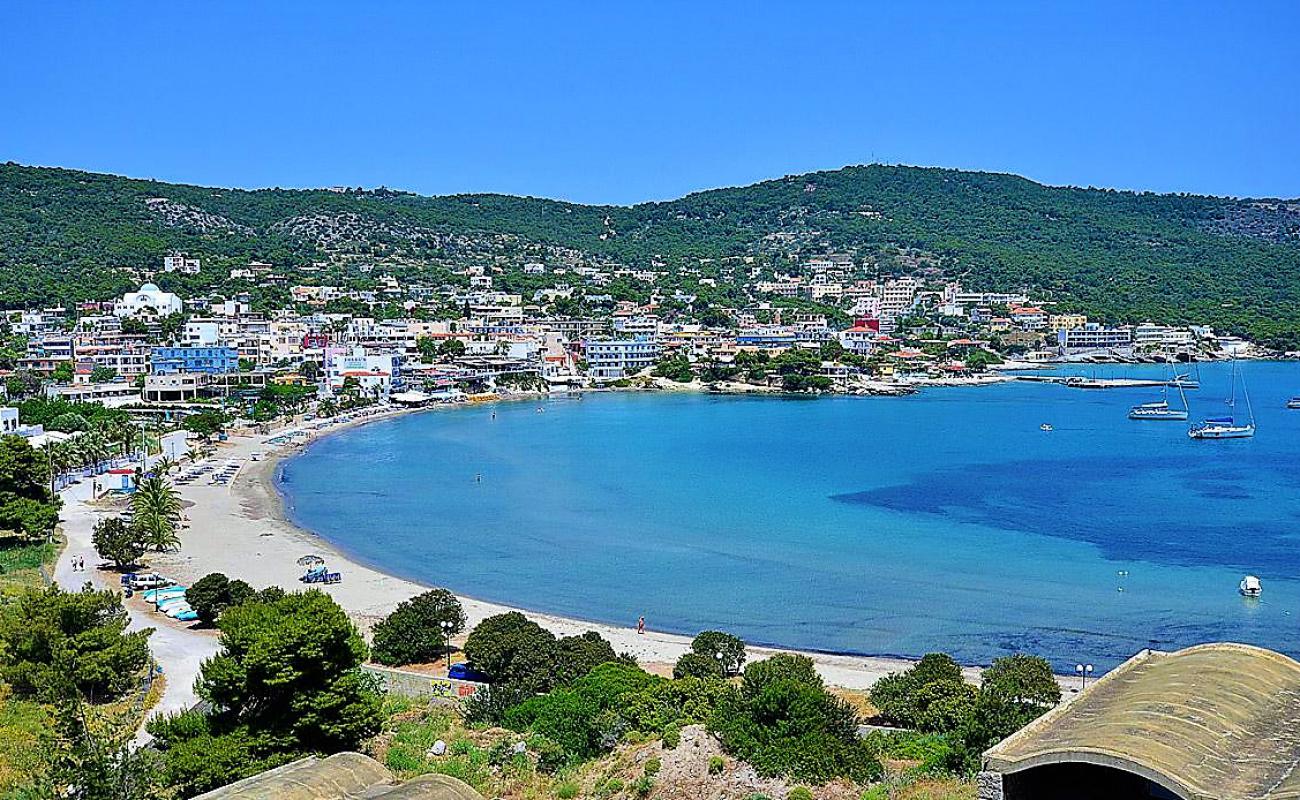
{"type": "Point", "coordinates": [240, 529]}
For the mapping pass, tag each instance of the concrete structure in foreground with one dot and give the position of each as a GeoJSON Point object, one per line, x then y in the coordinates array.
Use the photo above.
{"type": "Point", "coordinates": [342, 776]}
{"type": "Point", "coordinates": [1211, 722]}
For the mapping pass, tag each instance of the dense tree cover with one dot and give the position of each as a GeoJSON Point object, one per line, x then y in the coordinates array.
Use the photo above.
{"type": "Point", "coordinates": [27, 508]}
{"type": "Point", "coordinates": [418, 630]}
{"type": "Point", "coordinates": [933, 697]}
{"type": "Point", "coordinates": [56, 645]}
{"type": "Point", "coordinates": [1114, 255]}
{"type": "Point", "coordinates": [286, 683]}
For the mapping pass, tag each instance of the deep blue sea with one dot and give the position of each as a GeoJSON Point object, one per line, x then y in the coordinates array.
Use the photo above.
{"type": "Point", "coordinates": [946, 520]}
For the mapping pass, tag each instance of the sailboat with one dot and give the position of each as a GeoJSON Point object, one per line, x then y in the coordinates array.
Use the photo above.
{"type": "Point", "coordinates": [1228, 427]}
{"type": "Point", "coordinates": [1187, 380]}
{"type": "Point", "coordinates": [1161, 410]}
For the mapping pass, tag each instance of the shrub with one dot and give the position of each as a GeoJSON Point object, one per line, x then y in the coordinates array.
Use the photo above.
{"type": "Point", "coordinates": [800, 793]}
{"type": "Point", "coordinates": [783, 666]}
{"type": "Point", "coordinates": [577, 655]}
{"type": "Point", "coordinates": [794, 729]}
{"type": "Point", "coordinates": [694, 665]}
{"type": "Point", "coordinates": [905, 697]}
{"type": "Point", "coordinates": [727, 650]}
{"type": "Point", "coordinates": [414, 632]}
{"type": "Point", "coordinates": [652, 767]}
{"type": "Point", "coordinates": [567, 790]}
{"type": "Point", "coordinates": [716, 765]}
{"type": "Point", "coordinates": [643, 785]}
{"type": "Point", "coordinates": [672, 736]}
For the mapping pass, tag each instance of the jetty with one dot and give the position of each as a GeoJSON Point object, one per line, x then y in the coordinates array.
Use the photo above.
{"type": "Point", "coordinates": [1080, 382]}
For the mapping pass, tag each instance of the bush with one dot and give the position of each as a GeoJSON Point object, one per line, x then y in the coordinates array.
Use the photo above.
{"type": "Point", "coordinates": [794, 729]}
{"type": "Point", "coordinates": [672, 736]}
{"type": "Point", "coordinates": [567, 790]}
{"type": "Point", "coordinates": [653, 766]}
{"type": "Point", "coordinates": [727, 650]}
{"type": "Point", "coordinates": [578, 655]}
{"type": "Point", "coordinates": [414, 632]}
{"type": "Point", "coordinates": [716, 765]}
{"type": "Point", "coordinates": [800, 793]}
{"type": "Point", "coordinates": [783, 666]}
{"type": "Point", "coordinates": [642, 786]}
{"type": "Point", "coordinates": [694, 665]}
{"type": "Point", "coordinates": [904, 698]}
{"type": "Point", "coordinates": [562, 716]}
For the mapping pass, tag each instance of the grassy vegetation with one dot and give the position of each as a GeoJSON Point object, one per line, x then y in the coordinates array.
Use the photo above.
{"type": "Point", "coordinates": [24, 740]}
{"type": "Point", "coordinates": [21, 563]}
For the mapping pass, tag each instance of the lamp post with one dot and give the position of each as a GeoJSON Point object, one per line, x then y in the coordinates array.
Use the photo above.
{"type": "Point", "coordinates": [718, 655]}
{"type": "Point", "coordinates": [446, 626]}
{"type": "Point", "coordinates": [1083, 670]}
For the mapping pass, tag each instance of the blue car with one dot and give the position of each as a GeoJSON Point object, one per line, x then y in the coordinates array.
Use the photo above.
{"type": "Point", "coordinates": [464, 672]}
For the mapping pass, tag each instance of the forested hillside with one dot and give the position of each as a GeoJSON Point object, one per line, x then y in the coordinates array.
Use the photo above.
{"type": "Point", "coordinates": [64, 235]}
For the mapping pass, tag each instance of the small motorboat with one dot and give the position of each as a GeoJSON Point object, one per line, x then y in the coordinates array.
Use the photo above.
{"type": "Point", "coordinates": [1045, 427]}
{"type": "Point", "coordinates": [1293, 403]}
{"type": "Point", "coordinates": [1250, 586]}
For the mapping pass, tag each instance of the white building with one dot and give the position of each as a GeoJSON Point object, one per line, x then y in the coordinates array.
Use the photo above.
{"type": "Point", "coordinates": [896, 296]}
{"type": "Point", "coordinates": [371, 372]}
{"type": "Point", "coordinates": [149, 301]}
{"type": "Point", "coordinates": [179, 262]}
{"type": "Point", "coordinates": [610, 359]}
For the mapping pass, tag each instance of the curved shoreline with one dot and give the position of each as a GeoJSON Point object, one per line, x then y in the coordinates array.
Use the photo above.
{"type": "Point", "coordinates": [244, 530]}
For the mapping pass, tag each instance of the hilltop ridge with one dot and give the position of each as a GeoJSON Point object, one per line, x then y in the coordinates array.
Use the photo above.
{"type": "Point", "coordinates": [69, 235]}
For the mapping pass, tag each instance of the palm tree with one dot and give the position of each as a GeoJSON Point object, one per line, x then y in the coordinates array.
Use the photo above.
{"type": "Point", "coordinates": [164, 465]}
{"type": "Point", "coordinates": [156, 512]}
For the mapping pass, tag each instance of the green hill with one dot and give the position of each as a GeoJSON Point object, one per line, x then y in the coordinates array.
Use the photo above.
{"type": "Point", "coordinates": [64, 235]}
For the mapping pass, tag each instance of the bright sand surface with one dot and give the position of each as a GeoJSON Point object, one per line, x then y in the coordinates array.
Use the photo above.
{"type": "Point", "coordinates": [240, 530]}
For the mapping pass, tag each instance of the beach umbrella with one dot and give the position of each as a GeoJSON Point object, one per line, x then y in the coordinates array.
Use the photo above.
{"type": "Point", "coordinates": [310, 561]}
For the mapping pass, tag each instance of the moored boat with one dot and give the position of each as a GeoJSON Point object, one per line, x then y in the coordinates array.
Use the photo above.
{"type": "Point", "coordinates": [1228, 427]}
{"type": "Point", "coordinates": [1157, 411]}
{"type": "Point", "coordinates": [1250, 586]}
{"type": "Point", "coordinates": [1222, 428]}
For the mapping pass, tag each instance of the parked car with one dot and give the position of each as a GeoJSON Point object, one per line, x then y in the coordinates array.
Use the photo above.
{"type": "Point", "coordinates": [464, 672]}
{"type": "Point", "coordinates": [150, 580]}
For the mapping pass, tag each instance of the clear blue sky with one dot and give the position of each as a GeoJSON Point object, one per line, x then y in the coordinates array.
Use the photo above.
{"type": "Point", "coordinates": [623, 102]}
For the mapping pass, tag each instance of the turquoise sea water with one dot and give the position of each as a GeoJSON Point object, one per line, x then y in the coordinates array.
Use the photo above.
{"type": "Point", "coordinates": [888, 526]}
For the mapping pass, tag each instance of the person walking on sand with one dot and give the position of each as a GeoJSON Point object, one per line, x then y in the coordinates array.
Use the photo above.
{"type": "Point", "coordinates": [640, 624]}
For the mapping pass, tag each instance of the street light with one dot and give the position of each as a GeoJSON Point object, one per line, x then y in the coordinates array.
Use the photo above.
{"type": "Point", "coordinates": [446, 626]}
{"type": "Point", "coordinates": [718, 655]}
{"type": "Point", "coordinates": [1083, 670]}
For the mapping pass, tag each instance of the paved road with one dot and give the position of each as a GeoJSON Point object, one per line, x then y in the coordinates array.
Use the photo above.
{"type": "Point", "coordinates": [176, 648]}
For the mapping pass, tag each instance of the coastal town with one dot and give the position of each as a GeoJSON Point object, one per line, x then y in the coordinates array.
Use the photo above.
{"type": "Point", "coordinates": [825, 329]}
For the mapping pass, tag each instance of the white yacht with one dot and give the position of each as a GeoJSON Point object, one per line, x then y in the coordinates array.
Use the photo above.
{"type": "Point", "coordinates": [1250, 586]}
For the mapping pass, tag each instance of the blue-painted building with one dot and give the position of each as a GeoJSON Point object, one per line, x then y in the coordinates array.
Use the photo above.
{"type": "Point", "coordinates": [212, 360]}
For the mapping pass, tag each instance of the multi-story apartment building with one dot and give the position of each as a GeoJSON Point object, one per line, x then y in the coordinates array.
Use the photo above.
{"type": "Point", "coordinates": [209, 360]}
{"type": "Point", "coordinates": [610, 359]}
{"type": "Point", "coordinates": [1094, 336]}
